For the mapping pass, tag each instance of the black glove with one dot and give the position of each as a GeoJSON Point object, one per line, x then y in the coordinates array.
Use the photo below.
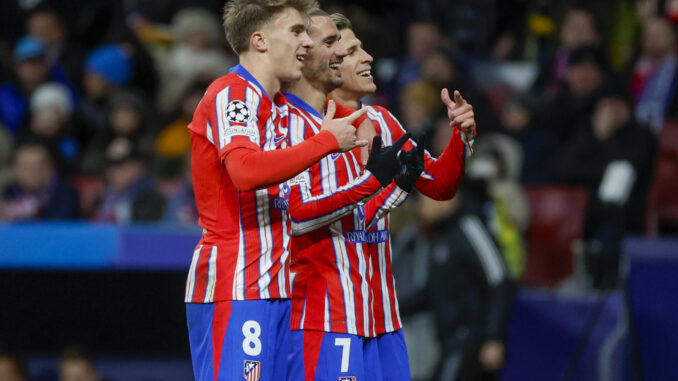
{"type": "Point", "coordinates": [412, 162]}
{"type": "Point", "coordinates": [383, 161]}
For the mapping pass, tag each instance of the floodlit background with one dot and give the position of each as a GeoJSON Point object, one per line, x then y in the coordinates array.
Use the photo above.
{"type": "Point", "coordinates": [567, 272]}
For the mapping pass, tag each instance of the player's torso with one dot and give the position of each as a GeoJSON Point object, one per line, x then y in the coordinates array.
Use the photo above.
{"type": "Point", "coordinates": [331, 289]}
{"type": "Point", "coordinates": [244, 249]}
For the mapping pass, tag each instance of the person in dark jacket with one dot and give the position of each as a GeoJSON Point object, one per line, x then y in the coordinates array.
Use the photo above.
{"type": "Point", "coordinates": [468, 289]}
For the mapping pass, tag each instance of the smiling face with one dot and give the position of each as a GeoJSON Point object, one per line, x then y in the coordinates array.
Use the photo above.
{"type": "Point", "coordinates": [288, 44]}
{"type": "Point", "coordinates": [323, 63]}
{"type": "Point", "coordinates": [356, 70]}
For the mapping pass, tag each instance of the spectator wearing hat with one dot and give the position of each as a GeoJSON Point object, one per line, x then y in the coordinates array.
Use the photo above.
{"type": "Point", "coordinates": [30, 71]}
{"type": "Point", "coordinates": [108, 69]}
{"type": "Point", "coordinates": [37, 191]}
{"type": "Point", "coordinates": [129, 193]}
{"type": "Point", "coordinates": [613, 156]}
{"type": "Point", "coordinates": [50, 122]}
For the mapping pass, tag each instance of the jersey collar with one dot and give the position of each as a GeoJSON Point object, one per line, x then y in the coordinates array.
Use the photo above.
{"type": "Point", "coordinates": [295, 100]}
{"type": "Point", "coordinates": [240, 70]}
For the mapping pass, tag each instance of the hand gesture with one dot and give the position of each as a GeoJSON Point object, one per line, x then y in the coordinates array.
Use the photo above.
{"type": "Point", "coordinates": [412, 165]}
{"type": "Point", "coordinates": [459, 111]}
{"type": "Point", "coordinates": [383, 161]}
{"type": "Point", "coordinates": [342, 128]}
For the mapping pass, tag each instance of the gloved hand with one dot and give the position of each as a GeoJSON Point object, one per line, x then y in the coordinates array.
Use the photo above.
{"type": "Point", "coordinates": [383, 161]}
{"type": "Point", "coordinates": [412, 164]}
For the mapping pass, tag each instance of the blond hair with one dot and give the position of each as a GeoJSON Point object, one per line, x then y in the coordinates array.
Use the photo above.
{"type": "Point", "coordinates": [243, 17]}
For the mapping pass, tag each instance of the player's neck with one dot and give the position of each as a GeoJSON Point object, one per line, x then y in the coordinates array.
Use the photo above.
{"type": "Point", "coordinates": [261, 72]}
{"type": "Point", "coordinates": [345, 98]}
{"type": "Point", "coordinates": [313, 96]}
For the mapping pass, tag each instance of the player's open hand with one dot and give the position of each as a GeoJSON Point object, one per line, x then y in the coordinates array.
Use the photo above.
{"type": "Point", "coordinates": [459, 111]}
{"type": "Point", "coordinates": [342, 128]}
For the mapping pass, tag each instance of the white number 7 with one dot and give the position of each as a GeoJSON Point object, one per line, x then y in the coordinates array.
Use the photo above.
{"type": "Point", "coordinates": [345, 351]}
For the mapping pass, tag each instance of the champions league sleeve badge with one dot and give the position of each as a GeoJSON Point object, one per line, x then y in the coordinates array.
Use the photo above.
{"type": "Point", "coordinates": [252, 370]}
{"type": "Point", "coordinates": [238, 112]}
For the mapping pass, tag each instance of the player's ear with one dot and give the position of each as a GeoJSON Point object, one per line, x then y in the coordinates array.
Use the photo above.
{"type": "Point", "coordinates": [258, 41]}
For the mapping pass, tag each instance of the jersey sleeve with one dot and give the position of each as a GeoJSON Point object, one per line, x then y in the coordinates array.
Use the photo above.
{"type": "Point", "coordinates": [308, 212]}
{"type": "Point", "coordinates": [443, 175]}
{"type": "Point", "coordinates": [382, 203]}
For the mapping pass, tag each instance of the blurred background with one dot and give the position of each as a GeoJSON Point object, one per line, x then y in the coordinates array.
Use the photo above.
{"type": "Point", "coordinates": [557, 260]}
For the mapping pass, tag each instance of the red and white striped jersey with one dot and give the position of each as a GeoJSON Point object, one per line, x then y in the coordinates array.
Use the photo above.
{"type": "Point", "coordinates": [440, 181]}
{"type": "Point", "coordinates": [243, 253]}
{"type": "Point", "coordinates": [331, 266]}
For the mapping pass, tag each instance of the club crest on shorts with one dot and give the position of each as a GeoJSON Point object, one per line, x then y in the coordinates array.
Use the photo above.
{"type": "Point", "coordinates": [253, 370]}
{"type": "Point", "coordinates": [347, 378]}
{"type": "Point", "coordinates": [238, 112]}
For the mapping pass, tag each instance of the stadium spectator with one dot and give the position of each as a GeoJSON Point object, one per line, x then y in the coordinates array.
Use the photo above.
{"type": "Point", "coordinates": [107, 70]}
{"type": "Point", "coordinates": [579, 29]}
{"type": "Point", "coordinates": [37, 191]}
{"type": "Point", "coordinates": [46, 24]}
{"type": "Point", "coordinates": [76, 365]}
{"type": "Point", "coordinates": [30, 71]}
{"type": "Point", "coordinates": [12, 368]}
{"type": "Point", "coordinates": [614, 157]}
{"type": "Point", "coordinates": [129, 117]}
{"type": "Point", "coordinates": [50, 122]}
{"type": "Point", "coordinates": [196, 55]}
{"type": "Point", "coordinates": [653, 79]}
{"type": "Point", "coordinates": [129, 194]}
{"type": "Point", "coordinates": [467, 287]}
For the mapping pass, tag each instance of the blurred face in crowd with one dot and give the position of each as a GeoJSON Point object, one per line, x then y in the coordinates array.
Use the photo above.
{"type": "Point", "coordinates": [47, 122]}
{"type": "Point", "coordinates": [658, 39]}
{"type": "Point", "coordinates": [9, 370]}
{"type": "Point", "coordinates": [610, 114]}
{"type": "Point", "coordinates": [288, 43]}
{"type": "Point", "coordinates": [322, 66]}
{"type": "Point", "coordinates": [33, 168]}
{"type": "Point", "coordinates": [125, 120]}
{"type": "Point", "coordinates": [438, 69]}
{"type": "Point", "coordinates": [431, 211]}
{"type": "Point", "coordinates": [422, 40]}
{"type": "Point", "coordinates": [46, 26]}
{"type": "Point", "coordinates": [515, 117]}
{"type": "Point", "coordinates": [96, 87]}
{"type": "Point", "coordinates": [579, 29]}
{"type": "Point", "coordinates": [356, 69]}
{"type": "Point", "coordinates": [31, 73]}
{"type": "Point", "coordinates": [584, 78]}
{"type": "Point", "coordinates": [76, 369]}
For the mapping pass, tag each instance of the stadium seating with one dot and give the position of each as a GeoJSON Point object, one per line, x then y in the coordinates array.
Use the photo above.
{"type": "Point", "coordinates": [663, 209]}
{"type": "Point", "coordinates": [557, 215]}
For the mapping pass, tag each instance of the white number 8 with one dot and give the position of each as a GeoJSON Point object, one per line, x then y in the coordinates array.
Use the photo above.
{"type": "Point", "coordinates": [251, 345]}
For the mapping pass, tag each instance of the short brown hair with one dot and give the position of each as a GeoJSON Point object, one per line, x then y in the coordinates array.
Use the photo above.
{"type": "Point", "coordinates": [342, 22]}
{"type": "Point", "coordinates": [243, 17]}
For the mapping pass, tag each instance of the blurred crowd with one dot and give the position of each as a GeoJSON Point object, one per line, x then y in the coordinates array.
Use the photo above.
{"type": "Point", "coordinates": [95, 97]}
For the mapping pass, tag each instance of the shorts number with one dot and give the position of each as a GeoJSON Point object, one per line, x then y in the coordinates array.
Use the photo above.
{"type": "Point", "coordinates": [345, 343]}
{"type": "Point", "coordinates": [251, 345]}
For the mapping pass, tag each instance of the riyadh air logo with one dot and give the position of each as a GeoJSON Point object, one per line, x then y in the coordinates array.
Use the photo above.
{"type": "Point", "coordinates": [238, 112]}
{"type": "Point", "coordinates": [253, 370]}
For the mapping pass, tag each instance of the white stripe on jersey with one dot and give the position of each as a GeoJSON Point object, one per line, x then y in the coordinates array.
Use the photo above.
{"type": "Point", "coordinates": [265, 242]}
{"type": "Point", "coordinates": [253, 100]}
{"type": "Point", "coordinates": [327, 312]}
{"type": "Point", "coordinates": [211, 276]}
{"type": "Point", "coordinates": [190, 281]}
{"type": "Point", "coordinates": [362, 268]}
{"type": "Point", "coordinates": [218, 101]}
{"type": "Point", "coordinates": [239, 275]}
{"type": "Point", "coordinates": [386, 305]}
{"type": "Point", "coordinates": [208, 133]}
{"type": "Point", "coordinates": [344, 270]}
{"type": "Point", "coordinates": [487, 253]}
{"type": "Point", "coordinates": [303, 314]}
{"type": "Point", "coordinates": [282, 278]}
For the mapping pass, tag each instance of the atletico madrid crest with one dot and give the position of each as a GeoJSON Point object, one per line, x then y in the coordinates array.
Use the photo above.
{"type": "Point", "coordinates": [252, 370]}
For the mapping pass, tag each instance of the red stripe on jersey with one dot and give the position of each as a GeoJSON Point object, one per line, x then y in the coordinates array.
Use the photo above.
{"type": "Point", "coordinates": [222, 314]}
{"type": "Point", "coordinates": [312, 342]}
